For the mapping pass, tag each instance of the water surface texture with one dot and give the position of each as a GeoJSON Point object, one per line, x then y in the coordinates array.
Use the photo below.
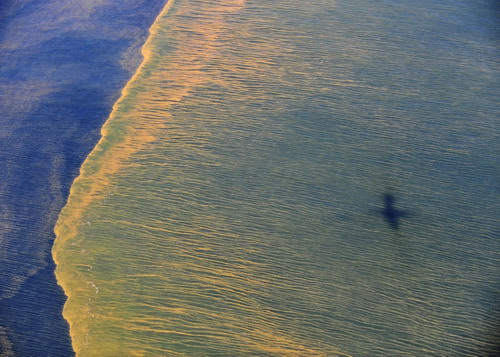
{"type": "Point", "coordinates": [235, 203]}
{"type": "Point", "coordinates": [63, 64]}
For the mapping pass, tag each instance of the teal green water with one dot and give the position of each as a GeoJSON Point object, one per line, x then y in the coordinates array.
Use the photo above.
{"type": "Point", "coordinates": [233, 205]}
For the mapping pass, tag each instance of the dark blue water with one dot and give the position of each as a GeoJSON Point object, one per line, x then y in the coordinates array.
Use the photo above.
{"type": "Point", "coordinates": [62, 66]}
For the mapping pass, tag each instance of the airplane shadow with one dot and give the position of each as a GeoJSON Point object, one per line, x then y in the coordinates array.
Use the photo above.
{"type": "Point", "coordinates": [391, 214]}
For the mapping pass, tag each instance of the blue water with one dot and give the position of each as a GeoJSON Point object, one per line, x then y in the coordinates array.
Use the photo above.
{"type": "Point", "coordinates": [62, 66]}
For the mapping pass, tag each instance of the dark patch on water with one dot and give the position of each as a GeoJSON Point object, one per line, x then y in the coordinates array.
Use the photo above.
{"type": "Point", "coordinates": [391, 214]}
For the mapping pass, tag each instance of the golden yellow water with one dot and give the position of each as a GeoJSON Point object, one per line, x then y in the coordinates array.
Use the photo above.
{"type": "Point", "coordinates": [231, 206]}
{"type": "Point", "coordinates": [120, 286]}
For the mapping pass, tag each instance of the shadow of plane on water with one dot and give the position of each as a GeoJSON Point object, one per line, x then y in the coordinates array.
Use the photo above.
{"type": "Point", "coordinates": [391, 214]}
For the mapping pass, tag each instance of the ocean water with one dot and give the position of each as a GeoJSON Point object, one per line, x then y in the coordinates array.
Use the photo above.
{"type": "Point", "coordinates": [63, 64]}
{"type": "Point", "coordinates": [233, 204]}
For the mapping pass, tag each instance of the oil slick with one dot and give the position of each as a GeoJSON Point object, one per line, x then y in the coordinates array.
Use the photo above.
{"type": "Point", "coordinates": [217, 195]}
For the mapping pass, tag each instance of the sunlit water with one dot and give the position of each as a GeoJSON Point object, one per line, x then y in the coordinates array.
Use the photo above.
{"type": "Point", "coordinates": [233, 204]}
